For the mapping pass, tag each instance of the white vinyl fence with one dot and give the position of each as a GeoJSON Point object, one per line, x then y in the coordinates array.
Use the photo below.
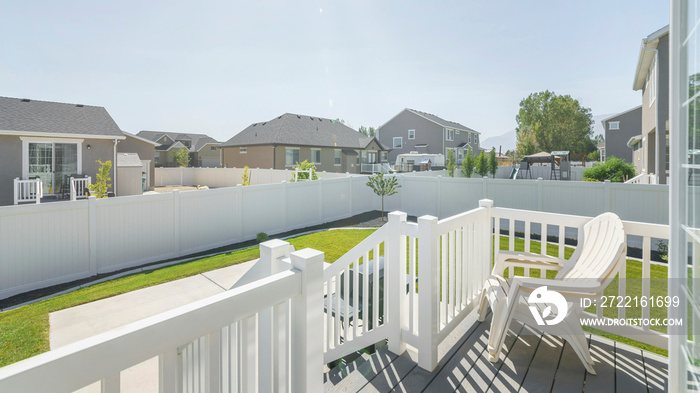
{"type": "Point", "coordinates": [53, 243]}
{"type": "Point", "coordinates": [227, 177]}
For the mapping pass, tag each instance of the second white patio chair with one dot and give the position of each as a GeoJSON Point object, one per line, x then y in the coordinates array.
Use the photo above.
{"type": "Point", "coordinates": [594, 264]}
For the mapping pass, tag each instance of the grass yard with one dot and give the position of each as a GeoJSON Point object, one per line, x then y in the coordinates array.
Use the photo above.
{"type": "Point", "coordinates": [24, 331]}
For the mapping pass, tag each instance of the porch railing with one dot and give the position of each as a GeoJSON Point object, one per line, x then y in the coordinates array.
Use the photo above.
{"type": "Point", "coordinates": [642, 178]}
{"type": "Point", "coordinates": [28, 190]}
{"type": "Point", "coordinates": [375, 168]}
{"type": "Point", "coordinates": [78, 187]}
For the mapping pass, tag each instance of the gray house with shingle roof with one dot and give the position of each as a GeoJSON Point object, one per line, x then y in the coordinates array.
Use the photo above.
{"type": "Point", "coordinates": [284, 141]}
{"type": "Point", "coordinates": [50, 140]}
{"type": "Point", "coordinates": [412, 130]}
{"type": "Point", "coordinates": [204, 150]}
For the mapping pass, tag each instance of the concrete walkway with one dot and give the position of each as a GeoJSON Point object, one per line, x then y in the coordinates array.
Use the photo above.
{"type": "Point", "coordinates": [77, 323]}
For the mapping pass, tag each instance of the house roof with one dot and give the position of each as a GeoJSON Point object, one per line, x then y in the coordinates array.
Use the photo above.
{"type": "Point", "coordinates": [291, 129]}
{"type": "Point", "coordinates": [130, 135]}
{"type": "Point", "coordinates": [198, 140]}
{"type": "Point", "coordinates": [441, 122]}
{"type": "Point", "coordinates": [647, 52]}
{"type": "Point", "coordinates": [22, 116]}
{"type": "Point", "coordinates": [634, 140]}
{"type": "Point", "coordinates": [639, 108]}
{"type": "Point", "coordinates": [126, 160]}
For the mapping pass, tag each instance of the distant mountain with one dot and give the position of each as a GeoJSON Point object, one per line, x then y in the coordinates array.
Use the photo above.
{"type": "Point", "coordinates": [506, 142]}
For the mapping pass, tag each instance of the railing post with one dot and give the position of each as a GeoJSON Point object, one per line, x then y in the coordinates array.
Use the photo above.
{"type": "Point", "coordinates": [307, 323]}
{"type": "Point", "coordinates": [428, 271]}
{"type": "Point", "coordinates": [72, 189]}
{"type": "Point", "coordinates": [494, 241]}
{"type": "Point", "coordinates": [16, 188]}
{"type": "Point", "coordinates": [168, 372]}
{"type": "Point", "coordinates": [270, 251]}
{"type": "Point", "coordinates": [395, 277]}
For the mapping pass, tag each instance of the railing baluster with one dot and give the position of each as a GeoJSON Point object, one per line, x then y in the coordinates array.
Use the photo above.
{"type": "Point", "coordinates": [459, 243]}
{"type": "Point", "coordinates": [355, 296]}
{"type": "Point", "coordinates": [336, 325]}
{"type": "Point", "coordinates": [346, 303]}
{"type": "Point", "coordinates": [646, 275]}
{"type": "Point", "coordinates": [622, 286]}
{"type": "Point", "coordinates": [412, 284]}
{"type": "Point", "coordinates": [375, 288]}
{"type": "Point", "coordinates": [365, 294]}
{"type": "Point", "coordinates": [511, 235]}
{"type": "Point", "coordinates": [451, 274]}
{"type": "Point", "coordinates": [562, 241]}
{"type": "Point", "coordinates": [443, 286]}
{"type": "Point", "coordinates": [527, 236]}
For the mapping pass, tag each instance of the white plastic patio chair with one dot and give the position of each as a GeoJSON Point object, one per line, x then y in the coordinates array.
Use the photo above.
{"type": "Point", "coordinates": [594, 264]}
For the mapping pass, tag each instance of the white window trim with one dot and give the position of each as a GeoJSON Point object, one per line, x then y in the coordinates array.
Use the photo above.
{"type": "Point", "coordinates": [319, 156]}
{"type": "Point", "coordinates": [409, 134]}
{"type": "Point", "coordinates": [242, 150]}
{"type": "Point", "coordinates": [447, 135]}
{"type": "Point", "coordinates": [25, 151]}
{"type": "Point", "coordinates": [336, 151]}
{"type": "Point", "coordinates": [285, 155]}
{"type": "Point", "coordinates": [615, 123]}
{"type": "Point", "coordinates": [469, 138]}
{"type": "Point", "coordinates": [393, 142]}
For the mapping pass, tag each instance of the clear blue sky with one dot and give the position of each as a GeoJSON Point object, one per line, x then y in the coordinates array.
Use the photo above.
{"type": "Point", "coordinates": [216, 67]}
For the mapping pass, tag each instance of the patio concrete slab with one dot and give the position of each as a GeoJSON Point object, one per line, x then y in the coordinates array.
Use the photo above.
{"type": "Point", "coordinates": [80, 322]}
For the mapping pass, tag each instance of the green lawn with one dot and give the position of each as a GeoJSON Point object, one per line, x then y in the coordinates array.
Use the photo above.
{"type": "Point", "coordinates": [24, 332]}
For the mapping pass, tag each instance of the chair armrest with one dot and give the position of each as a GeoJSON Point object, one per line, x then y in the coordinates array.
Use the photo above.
{"type": "Point", "coordinates": [567, 288]}
{"type": "Point", "coordinates": [526, 260]}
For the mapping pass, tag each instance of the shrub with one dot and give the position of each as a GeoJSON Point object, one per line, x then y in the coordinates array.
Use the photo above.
{"type": "Point", "coordinates": [246, 176]}
{"type": "Point", "coordinates": [468, 163]}
{"type": "Point", "coordinates": [482, 164]}
{"type": "Point", "coordinates": [100, 186]}
{"type": "Point", "coordinates": [182, 156]}
{"type": "Point", "coordinates": [262, 236]}
{"type": "Point", "coordinates": [613, 169]}
{"type": "Point", "coordinates": [304, 166]}
{"type": "Point", "coordinates": [451, 163]}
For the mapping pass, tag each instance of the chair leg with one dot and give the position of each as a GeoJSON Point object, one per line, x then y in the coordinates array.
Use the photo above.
{"type": "Point", "coordinates": [500, 320]}
{"type": "Point", "coordinates": [483, 309]}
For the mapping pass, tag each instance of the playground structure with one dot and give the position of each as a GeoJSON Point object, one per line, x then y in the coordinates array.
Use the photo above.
{"type": "Point", "coordinates": [560, 162]}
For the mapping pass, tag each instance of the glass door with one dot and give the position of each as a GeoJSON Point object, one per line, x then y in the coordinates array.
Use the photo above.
{"type": "Point", "coordinates": [41, 164]}
{"type": "Point", "coordinates": [51, 162]}
{"type": "Point", "coordinates": [65, 163]}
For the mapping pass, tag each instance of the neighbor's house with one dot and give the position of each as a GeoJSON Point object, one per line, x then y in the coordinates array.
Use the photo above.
{"type": "Point", "coordinates": [651, 77]}
{"type": "Point", "coordinates": [145, 148]}
{"type": "Point", "coordinates": [619, 129]}
{"type": "Point", "coordinates": [284, 141]}
{"type": "Point", "coordinates": [204, 150]}
{"type": "Point", "coordinates": [413, 130]}
{"type": "Point", "coordinates": [51, 141]}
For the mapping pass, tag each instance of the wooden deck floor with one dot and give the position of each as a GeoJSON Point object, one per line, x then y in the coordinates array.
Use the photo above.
{"type": "Point", "coordinates": [530, 362]}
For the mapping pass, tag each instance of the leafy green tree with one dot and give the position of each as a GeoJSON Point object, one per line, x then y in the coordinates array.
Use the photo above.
{"type": "Point", "coordinates": [547, 122]}
{"type": "Point", "coordinates": [493, 163]}
{"type": "Point", "coordinates": [613, 169]}
{"type": "Point", "coordinates": [367, 131]}
{"type": "Point", "coordinates": [451, 165]}
{"type": "Point", "coordinates": [593, 156]}
{"type": "Point", "coordinates": [307, 170]}
{"type": "Point", "coordinates": [182, 156]}
{"type": "Point", "coordinates": [100, 186]}
{"type": "Point", "coordinates": [246, 176]}
{"type": "Point", "coordinates": [482, 164]}
{"type": "Point", "coordinates": [468, 163]}
{"type": "Point", "coordinates": [383, 186]}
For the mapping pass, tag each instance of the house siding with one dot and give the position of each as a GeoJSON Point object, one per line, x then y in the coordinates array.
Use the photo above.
{"type": "Point", "coordinates": [255, 157]}
{"type": "Point", "coordinates": [426, 132]}
{"type": "Point", "coordinates": [616, 140]}
{"type": "Point", "coordinates": [655, 117]}
{"type": "Point", "coordinates": [207, 157]}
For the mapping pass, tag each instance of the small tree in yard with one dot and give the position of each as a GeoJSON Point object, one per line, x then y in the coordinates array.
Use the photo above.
{"type": "Point", "coordinates": [246, 176]}
{"type": "Point", "coordinates": [182, 156]}
{"type": "Point", "coordinates": [493, 163]}
{"type": "Point", "coordinates": [613, 169]}
{"type": "Point", "coordinates": [482, 164]}
{"type": "Point", "coordinates": [304, 166]}
{"type": "Point", "coordinates": [468, 163]}
{"type": "Point", "coordinates": [451, 165]}
{"type": "Point", "coordinates": [383, 187]}
{"type": "Point", "coordinates": [100, 186]}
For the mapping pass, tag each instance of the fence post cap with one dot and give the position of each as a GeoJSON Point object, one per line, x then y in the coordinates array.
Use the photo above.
{"type": "Point", "coordinates": [485, 203]}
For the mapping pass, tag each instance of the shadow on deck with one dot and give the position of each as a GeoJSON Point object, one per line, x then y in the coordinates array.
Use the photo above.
{"type": "Point", "coordinates": [530, 362]}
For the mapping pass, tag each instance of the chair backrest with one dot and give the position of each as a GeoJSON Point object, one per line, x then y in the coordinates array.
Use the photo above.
{"type": "Point", "coordinates": [598, 258]}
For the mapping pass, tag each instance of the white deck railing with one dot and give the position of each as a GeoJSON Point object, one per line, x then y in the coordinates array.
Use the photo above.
{"type": "Point", "coordinates": [375, 168]}
{"type": "Point", "coordinates": [642, 178]}
{"type": "Point", "coordinates": [78, 186]}
{"type": "Point", "coordinates": [28, 190]}
{"type": "Point", "coordinates": [277, 332]}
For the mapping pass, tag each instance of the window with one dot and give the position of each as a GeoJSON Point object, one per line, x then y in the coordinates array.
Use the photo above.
{"type": "Point", "coordinates": [316, 156]}
{"type": "Point", "coordinates": [157, 157]}
{"type": "Point", "coordinates": [449, 135]}
{"type": "Point", "coordinates": [337, 153]}
{"type": "Point", "coordinates": [384, 157]}
{"type": "Point", "coordinates": [460, 154]}
{"type": "Point", "coordinates": [614, 125]}
{"type": "Point", "coordinates": [398, 142]}
{"type": "Point", "coordinates": [291, 156]}
{"type": "Point", "coordinates": [411, 134]}
{"type": "Point", "coordinates": [476, 139]}
{"type": "Point", "coordinates": [469, 138]}
{"type": "Point", "coordinates": [243, 150]}
{"type": "Point", "coordinates": [212, 148]}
